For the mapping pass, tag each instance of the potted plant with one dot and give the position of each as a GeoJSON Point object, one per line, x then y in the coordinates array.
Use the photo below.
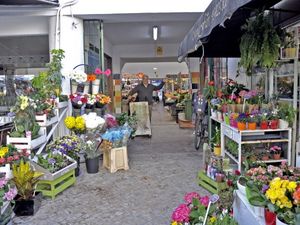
{"type": "Point", "coordinates": [91, 155]}
{"type": "Point", "coordinates": [265, 156]}
{"type": "Point", "coordinates": [216, 141]}
{"type": "Point", "coordinates": [90, 105]}
{"type": "Point", "coordinates": [252, 122]}
{"type": "Point", "coordinates": [276, 152]}
{"type": "Point", "coordinates": [69, 145]}
{"type": "Point", "coordinates": [27, 201]}
{"type": "Point", "coordinates": [242, 120]}
{"type": "Point", "coordinates": [77, 77]}
{"type": "Point", "coordinates": [274, 120]}
{"type": "Point", "coordinates": [264, 121]}
{"type": "Point", "coordinates": [7, 194]}
{"type": "Point", "coordinates": [78, 101]}
{"type": "Point", "coordinates": [287, 115]}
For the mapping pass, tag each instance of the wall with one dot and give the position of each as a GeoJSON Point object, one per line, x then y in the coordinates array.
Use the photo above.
{"type": "Point", "coordinates": [17, 25]}
{"type": "Point", "coordinates": [108, 47]}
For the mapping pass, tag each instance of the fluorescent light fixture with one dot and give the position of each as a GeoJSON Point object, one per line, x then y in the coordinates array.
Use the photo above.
{"type": "Point", "coordinates": [155, 33]}
{"type": "Point", "coordinates": [154, 68]}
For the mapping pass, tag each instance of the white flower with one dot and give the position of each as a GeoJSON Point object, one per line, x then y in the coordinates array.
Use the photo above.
{"type": "Point", "coordinates": [89, 142]}
{"type": "Point", "coordinates": [92, 121]}
{"type": "Point", "coordinates": [79, 102]}
{"type": "Point", "coordinates": [78, 76]}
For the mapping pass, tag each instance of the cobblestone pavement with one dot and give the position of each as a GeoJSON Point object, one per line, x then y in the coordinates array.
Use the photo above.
{"type": "Point", "coordinates": [162, 169]}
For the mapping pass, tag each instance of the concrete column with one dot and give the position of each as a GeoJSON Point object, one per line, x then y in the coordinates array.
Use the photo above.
{"type": "Point", "coordinates": [70, 39]}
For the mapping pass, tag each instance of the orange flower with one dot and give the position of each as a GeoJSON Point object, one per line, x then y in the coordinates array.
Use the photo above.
{"type": "Point", "coordinates": [296, 195]}
{"type": "Point", "coordinates": [91, 77]}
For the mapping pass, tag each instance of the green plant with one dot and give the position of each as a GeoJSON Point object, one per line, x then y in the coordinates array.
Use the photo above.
{"type": "Point", "coordinates": [259, 44]}
{"type": "Point", "coordinates": [25, 179]}
{"type": "Point", "coordinates": [216, 140]}
{"type": "Point", "coordinates": [53, 161]}
{"type": "Point", "coordinates": [131, 120]}
{"type": "Point", "coordinates": [255, 196]}
{"type": "Point", "coordinates": [232, 147]}
{"type": "Point", "coordinates": [287, 113]}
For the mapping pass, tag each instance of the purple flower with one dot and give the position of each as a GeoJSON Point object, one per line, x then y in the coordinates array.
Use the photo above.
{"type": "Point", "coordinates": [3, 182]}
{"type": "Point", "coordinates": [51, 161]}
{"type": "Point", "coordinates": [264, 188]}
{"type": "Point", "coordinates": [11, 194]}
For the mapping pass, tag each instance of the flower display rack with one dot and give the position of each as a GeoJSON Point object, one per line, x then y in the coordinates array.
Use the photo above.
{"type": "Point", "coordinates": [51, 188]}
{"type": "Point", "coordinates": [209, 184]}
{"type": "Point", "coordinates": [26, 142]}
{"type": "Point", "coordinates": [116, 159]}
{"type": "Point", "coordinates": [44, 122]}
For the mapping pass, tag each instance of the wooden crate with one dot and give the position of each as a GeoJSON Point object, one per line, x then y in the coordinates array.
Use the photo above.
{"type": "Point", "coordinates": [27, 142]}
{"type": "Point", "coordinates": [44, 122]}
{"type": "Point", "coordinates": [51, 188]}
{"type": "Point", "coordinates": [116, 159]}
{"type": "Point", "coordinates": [209, 184]}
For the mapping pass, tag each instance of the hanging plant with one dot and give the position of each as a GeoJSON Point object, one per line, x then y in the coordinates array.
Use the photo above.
{"type": "Point", "coordinates": [259, 44]}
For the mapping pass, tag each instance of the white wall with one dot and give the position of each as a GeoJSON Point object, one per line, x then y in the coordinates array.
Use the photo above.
{"type": "Point", "coordinates": [163, 68]}
{"type": "Point", "coordinates": [18, 25]}
{"type": "Point", "coordinates": [71, 41]}
{"type": "Point", "coordinates": [137, 6]}
{"type": "Point", "coordinates": [232, 72]}
{"type": "Point", "coordinates": [140, 51]}
{"type": "Point", "coordinates": [108, 47]}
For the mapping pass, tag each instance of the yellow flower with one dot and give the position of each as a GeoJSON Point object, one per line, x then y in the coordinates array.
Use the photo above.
{"type": "Point", "coordinates": [213, 219]}
{"type": "Point", "coordinates": [174, 223]}
{"type": "Point", "coordinates": [292, 186]}
{"type": "Point", "coordinates": [70, 122]}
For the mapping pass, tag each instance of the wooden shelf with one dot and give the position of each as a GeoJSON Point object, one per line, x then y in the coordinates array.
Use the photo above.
{"type": "Point", "coordinates": [231, 156]}
{"type": "Point", "coordinates": [265, 141]}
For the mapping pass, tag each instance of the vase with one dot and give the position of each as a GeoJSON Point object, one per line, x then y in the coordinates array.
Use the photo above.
{"type": "Point", "coordinates": [217, 150]}
{"type": "Point", "coordinates": [74, 86]}
{"type": "Point", "coordinates": [283, 124]}
{"type": "Point", "coordinates": [92, 165]}
{"type": "Point", "coordinates": [241, 126]}
{"type": "Point", "coordinates": [264, 125]}
{"type": "Point", "coordinates": [28, 207]}
{"type": "Point", "coordinates": [279, 222]}
{"type": "Point", "coordinates": [270, 217]}
{"type": "Point", "coordinates": [95, 86]}
{"type": "Point", "coordinates": [86, 89]}
{"type": "Point", "coordinates": [277, 156]}
{"type": "Point", "coordinates": [76, 112]}
{"type": "Point", "coordinates": [88, 109]}
{"type": "Point", "coordinates": [252, 126]}
{"type": "Point", "coordinates": [100, 111]}
{"type": "Point", "coordinates": [274, 124]}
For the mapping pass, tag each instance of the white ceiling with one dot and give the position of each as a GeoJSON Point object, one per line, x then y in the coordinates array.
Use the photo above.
{"type": "Point", "coordinates": [137, 28]}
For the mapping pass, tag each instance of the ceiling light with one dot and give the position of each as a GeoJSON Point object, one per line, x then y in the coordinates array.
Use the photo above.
{"type": "Point", "coordinates": [155, 33]}
{"type": "Point", "coordinates": [154, 68]}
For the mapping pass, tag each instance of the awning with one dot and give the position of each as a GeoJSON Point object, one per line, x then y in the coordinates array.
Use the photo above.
{"type": "Point", "coordinates": [30, 2]}
{"type": "Point", "coordinates": [219, 28]}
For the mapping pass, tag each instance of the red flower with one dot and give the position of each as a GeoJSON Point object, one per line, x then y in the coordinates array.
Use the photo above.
{"type": "Point", "coordinates": [84, 100]}
{"type": "Point", "coordinates": [237, 172]}
{"type": "Point", "coordinates": [211, 83]}
{"type": "Point", "coordinates": [2, 160]}
{"type": "Point", "coordinates": [229, 183]}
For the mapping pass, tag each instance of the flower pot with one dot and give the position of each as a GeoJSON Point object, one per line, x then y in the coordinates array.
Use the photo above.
{"type": "Point", "coordinates": [220, 177]}
{"type": "Point", "coordinates": [224, 108]}
{"type": "Point", "coordinates": [241, 188]}
{"type": "Point", "coordinates": [276, 156]}
{"type": "Point", "coordinates": [239, 108]}
{"type": "Point", "coordinates": [265, 157]}
{"type": "Point", "coordinates": [92, 165]}
{"type": "Point", "coordinates": [226, 119]}
{"type": "Point", "coordinates": [233, 123]}
{"type": "Point", "coordinates": [274, 124]}
{"type": "Point", "coordinates": [88, 110]}
{"type": "Point", "coordinates": [241, 126]}
{"type": "Point", "coordinates": [86, 89]}
{"type": "Point", "coordinates": [217, 151]}
{"type": "Point", "coordinates": [220, 116]}
{"type": "Point", "coordinates": [95, 86]}
{"type": "Point", "coordinates": [259, 211]}
{"type": "Point", "coordinates": [279, 222]}
{"type": "Point", "coordinates": [76, 112]}
{"type": "Point", "coordinates": [263, 125]}
{"type": "Point", "coordinates": [100, 111]}
{"type": "Point", "coordinates": [270, 217]}
{"type": "Point", "coordinates": [28, 207]}
{"type": "Point", "coordinates": [252, 126]}
{"type": "Point", "coordinates": [231, 107]}
{"type": "Point", "coordinates": [283, 124]}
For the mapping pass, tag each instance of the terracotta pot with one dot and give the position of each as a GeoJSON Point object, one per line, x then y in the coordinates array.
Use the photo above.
{"type": "Point", "coordinates": [252, 126]}
{"type": "Point", "coordinates": [276, 156]}
{"type": "Point", "coordinates": [239, 108]}
{"type": "Point", "coordinates": [270, 217]}
{"type": "Point", "coordinates": [265, 157]}
{"type": "Point", "coordinates": [239, 100]}
{"type": "Point", "coordinates": [217, 151]}
{"type": "Point", "coordinates": [274, 124]}
{"type": "Point", "coordinates": [241, 126]}
{"type": "Point", "coordinates": [264, 125]}
{"type": "Point", "coordinates": [220, 177]}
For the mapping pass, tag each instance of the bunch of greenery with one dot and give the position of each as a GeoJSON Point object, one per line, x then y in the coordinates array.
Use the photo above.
{"type": "Point", "coordinates": [25, 118]}
{"type": "Point", "coordinates": [287, 113]}
{"type": "Point", "coordinates": [53, 161]}
{"type": "Point", "coordinates": [216, 140]}
{"type": "Point", "coordinates": [259, 44]}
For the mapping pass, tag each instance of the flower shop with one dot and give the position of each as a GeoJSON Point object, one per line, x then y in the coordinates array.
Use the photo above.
{"type": "Point", "coordinates": [37, 159]}
{"type": "Point", "coordinates": [251, 163]}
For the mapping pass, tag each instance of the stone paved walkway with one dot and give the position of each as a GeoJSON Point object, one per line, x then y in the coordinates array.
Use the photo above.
{"type": "Point", "coordinates": [162, 170]}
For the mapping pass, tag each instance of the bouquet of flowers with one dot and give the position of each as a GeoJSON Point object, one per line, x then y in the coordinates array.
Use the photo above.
{"type": "Point", "coordinates": [78, 100]}
{"type": "Point", "coordinates": [92, 121]}
{"type": "Point", "coordinates": [76, 125]}
{"type": "Point", "coordinates": [69, 145]}
{"type": "Point", "coordinates": [102, 100]}
{"type": "Point", "coordinates": [91, 100]}
{"type": "Point", "coordinates": [10, 154]}
{"type": "Point", "coordinates": [78, 76]}
{"type": "Point", "coordinates": [118, 136]}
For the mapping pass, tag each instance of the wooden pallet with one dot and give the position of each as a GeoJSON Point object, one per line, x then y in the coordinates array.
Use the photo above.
{"type": "Point", "coordinates": [209, 184]}
{"type": "Point", "coordinates": [51, 188]}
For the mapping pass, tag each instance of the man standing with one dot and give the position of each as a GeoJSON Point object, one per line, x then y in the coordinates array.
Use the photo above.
{"type": "Point", "coordinates": [144, 91]}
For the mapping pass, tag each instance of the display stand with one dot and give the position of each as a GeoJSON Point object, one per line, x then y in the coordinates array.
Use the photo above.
{"type": "Point", "coordinates": [141, 109]}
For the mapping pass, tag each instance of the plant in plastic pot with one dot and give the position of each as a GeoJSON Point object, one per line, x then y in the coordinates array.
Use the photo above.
{"type": "Point", "coordinates": [216, 141]}
{"type": "Point", "coordinates": [242, 120]}
{"type": "Point", "coordinates": [276, 152]}
{"type": "Point", "coordinates": [27, 201]}
{"type": "Point", "coordinates": [264, 121]}
{"type": "Point", "coordinates": [286, 113]}
{"type": "Point", "coordinates": [92, 155]}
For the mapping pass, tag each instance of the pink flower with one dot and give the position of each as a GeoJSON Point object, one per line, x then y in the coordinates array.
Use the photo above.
{"type": "Point", "coordinates": [2, 160]}
{"type": "Point", "coordinates": [242, 93]}
{"type": "Point", "coordinates": [3, 182]}
{"type": "Point", "coordinates": [204, 201]}
{"type": "Point", "coordinates": [11, 194]}
{"type": "Point", "coordinates": [188, 198]}
{"type": "Point", "coordinates": [16, 157]}
{"type": "Point", "coordinates": [181, 214]}
{"type": "Point", "coordinates": [10, 159]}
